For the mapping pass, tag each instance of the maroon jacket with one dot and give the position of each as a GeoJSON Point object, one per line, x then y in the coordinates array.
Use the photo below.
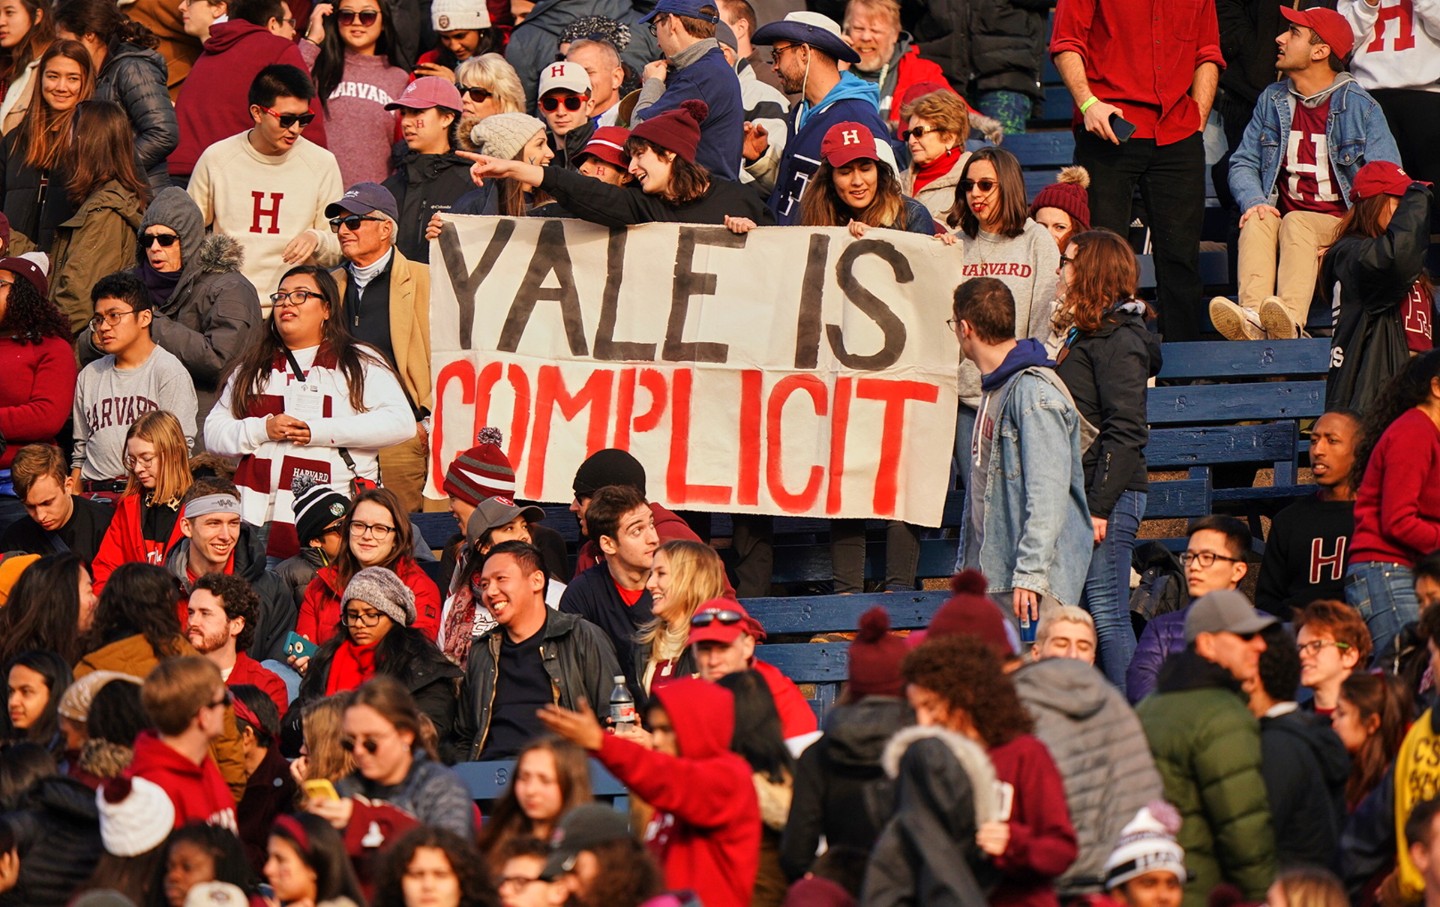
{"type": "Point", "coordinates": [1042, 840]}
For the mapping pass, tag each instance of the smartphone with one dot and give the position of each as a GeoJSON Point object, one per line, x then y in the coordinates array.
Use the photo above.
{"type": "Point", "coordinates": [320, 789]}
{"type": "Point", "coordinates": [298, 646]}
{"type": "Point", "coordinates": [1122, 127]}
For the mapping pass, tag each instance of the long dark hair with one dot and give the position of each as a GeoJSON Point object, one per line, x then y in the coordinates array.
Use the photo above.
{"type": "Point", "coordinates": [139, 599]}
{"type": "Point", "coordinates": [104, 151]}
{"type": "Point", "coordinates": [1363, 221]}
{"type": "Point", "coordinates": [56, 672]}
{"type": "Point", "coordinates": [323, 851]}
{"type": "Point", "coordinates": [46, 134]}
{"type": "Point", "coordinates": [44, 609]}
{"type": "Point", "coordinates": [821, 205]}
{"type": "Point", "coordinates": [1011, 184]}
{"type": "Point", "coordinates": [462, 854]}
{"type": "Point", "coordinates": [252, 371]}
{"type": "Point", "coordinates": [329, 69]}
{"type": "Point", "coordinates": [36, 41]}
{"type": "Point", "coordinates": [758, 735]}
{"type": "Point", "coordinates": [1386, 697]}
{"type": "Point", "coordinates": [21, 765]}
{"type": "Point", "coordinates": [103, 19]}
{"type": "Point", "coordinates": [393, 657]}
{"type": "Point", "coordinates": [688, 180]}
{"type": "Point", "coordinates": [508, 819]}
{"type": "Point", "coordinates": [223, 847]}
{"type": "Point", "coordinates": [346, 564]}
{"type": "Point", "coordinates": [1404, 392]}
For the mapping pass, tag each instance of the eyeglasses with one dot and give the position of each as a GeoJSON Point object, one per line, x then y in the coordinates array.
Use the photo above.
{"type": "Point", "coordinates": [225, 699]}
{"type": "Point", "coordinates": [379, 530]}
{"type": "Point", "coordinates": [355, 619]}
{"type": "Point", "coordinates": [954, 324]}
{"type": "Point", "coordinates": [968, 186]}
{"type": "Point", "coordinates": [1204, 558]}
{"type": "Point", "coordinates": [655, 23]}
{"type": "Point", "coordinates": [572, 102]}
{"type": "Point", "coordinates": [148, 460]}
{"type": "Point", "coordinates": [779, 52]}
{"type": "Point", "coordinates": [1316, 646]}
{"type": "Point", "coordinates": [366, 17]}
{"type": "Point", "coordinates": [350, 222]}
{"type": "Point", "coordinates": [289, 22]}
{"type": "Point", "coordinates": [110, 318]}
{"type": "Point", "coordinates": [166, 240]}
{"type": "Point", "coordinates": [369, 743]}
{"type": "Point", "coordinates": [1065, 260]}
{"type": "Point", "coordinates": [332, 529]}
{"type": "Point", "coordinates": [478, 95]}
{"type": "Point", "coordinates": [515, 884]}
{"type": "Point", "coordinates": [706, 618]}
{"type": "Point", "coordinates": [293, 299]}
{"type": "Point", "coordinates": [289, 120]}
{"type": "Point", "coordinates": [919, 132]}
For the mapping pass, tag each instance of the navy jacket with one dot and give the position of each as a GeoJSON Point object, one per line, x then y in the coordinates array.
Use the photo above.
{"type": "Point", "coordinates": [709, 79]}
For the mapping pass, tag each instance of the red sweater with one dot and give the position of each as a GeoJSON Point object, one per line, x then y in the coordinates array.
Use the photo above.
{"type": "Point", "coordinates": [125, 542]}
{"type": "Point", "coordinates": [248, 670]}
{"type": "Point", "coordinates": [706, 830]}
{"type": "Point", "coordinates": [796, 716]}
{"type": "Point", "coordinates": [37, 392]}
{"type": "Point", "coordinates": [1397, 509]}
{"type": "Point", "coordinates": [199, 793]}
{"type": "Point", "coordinates": [320, 610]}
{"type": "Point", "coordinates": [1042, 840]}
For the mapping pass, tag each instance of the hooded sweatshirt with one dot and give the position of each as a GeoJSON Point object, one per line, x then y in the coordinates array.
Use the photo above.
{"type": "Point", "coordinates": [198, 791]}
{"type": "Point", "coordinates": [706, 829]}
{"type": "Point", "coordinates": [1305, 767]}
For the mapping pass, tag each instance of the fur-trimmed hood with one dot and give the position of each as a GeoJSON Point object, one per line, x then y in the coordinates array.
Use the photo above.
{"type": "Point", "coordinates": [104, 759]}
{"type": "Point", "coordinates": [970, 756]}
{"type": "Point", "coordinates": [220, 254]}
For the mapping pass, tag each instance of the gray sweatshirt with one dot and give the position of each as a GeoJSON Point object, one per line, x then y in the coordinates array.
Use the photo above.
{"type": "Point", "coordinates": [108, 400]}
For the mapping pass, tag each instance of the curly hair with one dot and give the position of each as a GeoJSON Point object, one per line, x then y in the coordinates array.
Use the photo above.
{"type": "Point", "coordinates": [30, 317]}
{"type": "Point", "coordinates": [966, 673]}
{"type": "Point", "coordinates": [461, 853]}
{"type": "Point", "coordinates": [1402, 393]}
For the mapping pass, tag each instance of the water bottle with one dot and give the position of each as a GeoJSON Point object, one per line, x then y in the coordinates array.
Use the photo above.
{"type": "Point", "coordinates": [622, 706]}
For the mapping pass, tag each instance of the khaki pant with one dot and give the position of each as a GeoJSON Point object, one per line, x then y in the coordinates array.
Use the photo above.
{"type": "Point", "coordinates": [1298, 238]}
{"type": "Point", "coordinates": [402, 469]}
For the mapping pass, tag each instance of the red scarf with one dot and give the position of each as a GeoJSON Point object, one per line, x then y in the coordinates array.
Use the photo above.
{"type": "Point", "coordinates": [351, 666]}
{"type": "Point", "coordinates": [925, 174]}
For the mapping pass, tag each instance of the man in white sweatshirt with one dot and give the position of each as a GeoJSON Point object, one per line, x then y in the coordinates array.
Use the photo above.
{"type": "Point", "coordinates": [268, 187]}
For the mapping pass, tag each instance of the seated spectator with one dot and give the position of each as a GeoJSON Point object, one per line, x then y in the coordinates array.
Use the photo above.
{"type": "Point", "coordinates": [31, 34]}
{"type": "Point", "coordinates": [764, 105]}
{"type": "Point", "coordinates": [306, 861]}
{"type": "Point", "coordinates": [431, 866]}
{"type": "Point", "coordinates": [617, 467]}
{"type": "Point", "coordinates": [267, 187]}
{"type": "Point", "coordinates": [1370, 718]}
{"type": "Point", "coordinates": [58, 819]}
{"type": "Point", "coordinates": [324, 755]}
{"type": "Point", "coordinates": [566, 106]}
{"type": "Point", "coordinates": [1147, 867]}
{"type": "Point", "coordinates": [188, 703]}
{"type": "Point", "coordinates": [683, 576]}
{"type": "Point", "coordinates": [352, 50]}
{"type": "Point", "coordinates": [135, 625]}
{"type": "Point", "coordinates": [510, 136]}
{"type": "Point", "coordinates": [1373, 275]}
{"type": "Point", "coordinates": [134, 376]}
{"type": "Point", "coordinates": [197, 855]}
{"type": "Point", "coordinates": [1420, 845]}
{"type": "Point", "coordinates": [551, 779]}
{"type": "Point", "coordinates": [464, 31]}
{"type": "Point", "coordinates": [1305, 552]}
{"type": "Point", "coordinates": [612, 594]}
{"type": "Point", "coordinates": [375, 533]}
{"type": "Point", "coordinates": [522, 862]}
{"type": "Point", "coordinates": [857, 187]}
{"type": "Point", "coordinates": [136, 816]}
{"type": "Point", "coordinates": [51, 608]}
{"type": "Point", "coordinates": [488, 85]}
{"type": "Point", "coordinates": [1205, 741]}
{"type": "Point", "coordinates": [320, 529]}
{"type": "Point", "coordinates": [1303, 762]}
{"type": "Point", "coordinates": [39, 368]}
{"type": "Point", "coordinates": [1333, 643]}
{"type": "Point", "coordinates": [1063, 207]}
{"type": "Point", "coordinates": [601, 62]}
{"type": "Point", "coordinates": [128, 72]}
{"type": "Point", "coordinates": [430, 177]}
{"type": "Point", "coordinates": [221, 617]}
{"type": "Point", "coordinates": [269, 787]}
{"type": "Point", "coordinates": [1214, 559]}
{"type": "Point", "coordinates": [722, 641]}
{"type": "Point", "coordinates": [706, 830]}
{"type": "Point", "coordinates": [377, 637]}
{"type": "Point", "coordinates": [888, 56]}
{"type": "Point", "coordinates": [329, 429]}
{"type": "Point", "coordinates": [101, 725]}
{"type": "Point", "coordinates": [1291, 206]}
{"type": "Point", "coordinates": [694, 69]}
{"type": "Point", "coordinates": [1067, 632]}
{"type": "Point", "coordinates": [175, 45]}
{"type": "Point", "coordinates": [56, 519]}
{"type": "Point", "coordinates": [935, 127]}
{"type": "Point", "coordinates": [597, 854]}
{"type": "Point", "coordinates": [211, 106]}
{"type": "Point", "coordinates": [147, 517]}
{"type": "Point", "coordinates": [506, 678]}
{"type": "Point", "coordinates": [393, 766]}
{"type": "Point", "coordinates": [34, 683]}
{"type": "Point", "coordinates": [604, 157]}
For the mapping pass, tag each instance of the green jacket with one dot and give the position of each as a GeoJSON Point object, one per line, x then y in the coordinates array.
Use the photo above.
{"type": "Point", "coordinates": [1207, 748]}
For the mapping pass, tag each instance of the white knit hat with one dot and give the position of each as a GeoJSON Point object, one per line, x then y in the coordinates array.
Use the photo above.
{"type": "Point", "coordinates": [502, 135]}
{"type": "Point", "coordinates": [459, 15]}
{"type": "Point", "coordinates": [216, 894]}
{"type": "Point", "coordinates": [135, 816]}
{"type": "Point", "coordinates": [1147, 845]}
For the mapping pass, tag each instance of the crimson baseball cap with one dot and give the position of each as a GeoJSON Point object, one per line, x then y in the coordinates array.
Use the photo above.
{"type": "Point", "coordinates": [723, 620]}
{"type": "Point", "coordinates": [608, 144]}
{"type": "Point", "coordinates": [846, 142]}
{"type": "Point", "coordinates": [429, 91]}
{"type": "Point", "coordinates": [1328, 25]}
{"type": "Point", "coordinates": [1381, 178]}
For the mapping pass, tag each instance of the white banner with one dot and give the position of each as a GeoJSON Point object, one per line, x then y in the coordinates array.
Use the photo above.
{"type": "Point", "coordinates": [785, 371]}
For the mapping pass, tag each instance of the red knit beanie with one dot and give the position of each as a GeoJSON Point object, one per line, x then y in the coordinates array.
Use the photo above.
{"type": "Point", "coordinates": [1068, 194]}
{"type": "Point", "coordinates": [875, 658]}
{"type": "Point", "coordinates": [970, 612]}
{"type": "Point", "coordinates": [675, 130]}
{"type": "Point", "coordinates": [481, 472]}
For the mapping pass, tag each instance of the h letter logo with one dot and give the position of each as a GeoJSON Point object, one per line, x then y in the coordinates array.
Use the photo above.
{"type": "Point", "coordinates": [557, 70]}
{"type": "Point", "coordinates": [851, 136]}
{"type": "Point", "coordinates": [272, 212]}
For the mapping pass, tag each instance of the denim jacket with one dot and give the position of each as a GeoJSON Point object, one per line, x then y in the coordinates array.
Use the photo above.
{"type": "Point", "coordinates": [1037, 532]}
{"type": "Point", "coordinates": [1355, 130]}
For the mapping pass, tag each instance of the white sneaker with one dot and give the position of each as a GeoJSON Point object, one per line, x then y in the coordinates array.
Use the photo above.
{"type": "Point", "coordinates": [1234, 322]}
{"type": "Point", "coordinates": [1275, 320]}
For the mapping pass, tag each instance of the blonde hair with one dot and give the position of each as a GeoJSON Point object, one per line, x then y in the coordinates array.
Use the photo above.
{"type": "Point", "coordinates": [889, 8]}
{"type": "Point", "coordinates": [493, 73]}
{"type": "Point", "coordinates": [696, 576]}
{"type": "Point", "coordinates": [325, 757]}
{"type": "Point", "coordinates": [1066, 614]}
{"type": "Point", "coordinates": [1312, 887]}
{"type": "Point", "coordinates": [172, 457]}
{"type": "Point", "coordinates": [945, 109]}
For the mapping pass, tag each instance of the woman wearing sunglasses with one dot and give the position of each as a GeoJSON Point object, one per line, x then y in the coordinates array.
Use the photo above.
{"type": "Point", "coordinates": [394, 766]}
{"type": "Point", "coordinates": [936, 126]}
{"type": "Point", "coordinates": [305, 398]}
{"type": "Point", "coordinates": [488, 85]}
{"type": "Point", "coordinates": [352, 43]}
{"type": "Point", "coordinates": [375, 533]}
{"type": "Point", "coordinates": [377, 636]}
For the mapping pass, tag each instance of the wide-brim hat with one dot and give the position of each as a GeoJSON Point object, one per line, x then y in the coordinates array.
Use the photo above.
{"type": "Point", "coordinates": [820, 32]}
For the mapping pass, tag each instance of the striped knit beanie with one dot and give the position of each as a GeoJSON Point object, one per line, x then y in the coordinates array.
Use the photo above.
{"type": "Point", "coordinates": [481, 472]}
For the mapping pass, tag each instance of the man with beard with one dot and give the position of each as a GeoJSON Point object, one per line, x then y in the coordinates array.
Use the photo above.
{"type": "Point", "coordinates": [220, 624]}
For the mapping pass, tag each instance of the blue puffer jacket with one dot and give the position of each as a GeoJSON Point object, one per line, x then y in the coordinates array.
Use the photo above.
{"type": "Point", "coordinates": [1163, 637]}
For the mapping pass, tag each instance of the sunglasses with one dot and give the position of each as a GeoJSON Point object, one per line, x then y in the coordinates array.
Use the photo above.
{"type": "Point", "coordinates": [369, 743]}
{"type": "Point", "coordinates": [918, 132]}
{"type": "Point", "coordinates": [478, 95]}
{"type": "Point", "coordinates": [968, 186]}
{"type": "Point", "coordinates": [365, 17]}
{"type": "Point", "coordinates": [288, 120]}
{"type": "Point", "coordinates": [166, 240]}
{"type": "Point", "coordinates": [226, 698]}
{"type": "Point", "coordinates": [706, 618]}
{"type": "Point", "coordinates": [572, 103]}
{"type": "Point", "coordinates": [350, 222]}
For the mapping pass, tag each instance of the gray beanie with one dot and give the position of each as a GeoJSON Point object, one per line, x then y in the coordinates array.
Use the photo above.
{"type": "Point", "coordinates": [382, 590]}
{"type": "Point", "coordinates": [502, 135]}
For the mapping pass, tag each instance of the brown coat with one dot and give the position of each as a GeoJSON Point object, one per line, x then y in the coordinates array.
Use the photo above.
{"type": "Point", "coordinates": [179, 49]}
{"type": "Point", "coordinates": [409, 325]}
{"type": "Point", "coordinates": [98, 240]}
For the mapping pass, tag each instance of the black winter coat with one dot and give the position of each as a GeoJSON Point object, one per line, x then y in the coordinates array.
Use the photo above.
{"type": "Point", "coordinates": [134, 78]}
{"type": "Point", "coordinates": [613, 206]}
{"type": "Point", "coordinates": [1247, 42]}
{"type": "Point", "coordinates": [57, 830]}
{"type": "Point", "coordinates": [1305, 768]}
{"type": "Point", "coordinates": [32, 210]}
{"type": "Point", "coordinates": [1008, 40]}
{"type": "Point", "coordinates": [425, 185]}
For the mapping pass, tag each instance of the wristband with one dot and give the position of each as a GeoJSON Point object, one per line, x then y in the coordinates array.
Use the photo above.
{"type": "Point", "coordinates": [1088, 104]}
